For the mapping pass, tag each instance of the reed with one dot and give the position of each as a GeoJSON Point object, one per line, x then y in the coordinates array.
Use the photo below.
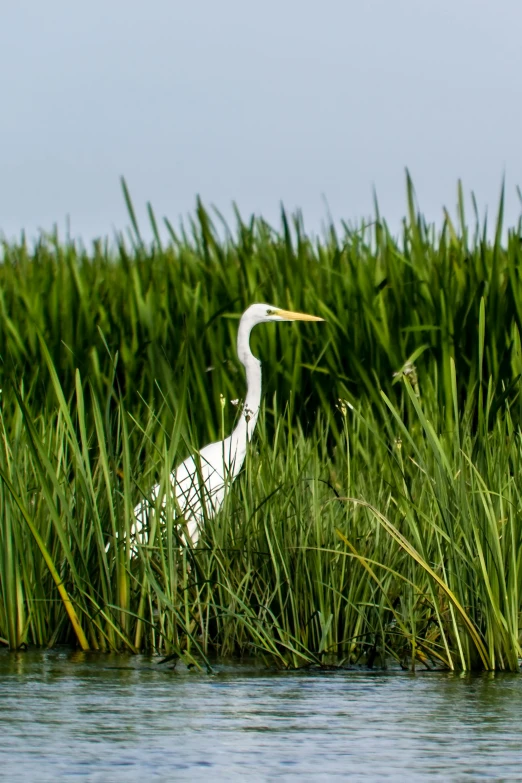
{"type": "Point", "coordinates": [378, 514]}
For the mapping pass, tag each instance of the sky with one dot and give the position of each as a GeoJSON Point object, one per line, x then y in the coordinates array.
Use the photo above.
{"type": "Point", "coordinates": [313, 104]}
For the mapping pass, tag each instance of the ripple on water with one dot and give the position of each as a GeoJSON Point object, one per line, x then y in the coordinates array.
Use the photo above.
{"type": "Point", "coordinates": [76, 717]}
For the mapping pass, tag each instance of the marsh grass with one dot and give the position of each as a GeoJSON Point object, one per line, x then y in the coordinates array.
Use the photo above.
{"type": "Point", "coordinates": [378, 514]}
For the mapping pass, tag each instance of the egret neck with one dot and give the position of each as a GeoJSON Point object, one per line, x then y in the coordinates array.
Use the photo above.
{"type": "Point", "coordinates": [248, 419]}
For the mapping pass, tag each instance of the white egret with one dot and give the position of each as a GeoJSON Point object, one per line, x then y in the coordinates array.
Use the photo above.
{"type": "Point", "coordinates": [199, 482]}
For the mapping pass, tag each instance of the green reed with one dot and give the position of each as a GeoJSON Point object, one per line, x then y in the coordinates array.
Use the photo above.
{"type": "Point", "coordinates": [377, 516]}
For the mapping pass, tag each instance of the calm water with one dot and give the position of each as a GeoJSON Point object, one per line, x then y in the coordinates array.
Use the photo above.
{"type": "Point", "coordinates": [74, 717]}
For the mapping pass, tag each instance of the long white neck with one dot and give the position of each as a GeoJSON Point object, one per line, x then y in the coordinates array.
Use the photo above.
{"type": "Point", "coordinates": [247, 422]}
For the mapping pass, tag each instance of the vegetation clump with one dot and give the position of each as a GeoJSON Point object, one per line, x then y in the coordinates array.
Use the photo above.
{"type": "Point", "coordinates": [379, 514]}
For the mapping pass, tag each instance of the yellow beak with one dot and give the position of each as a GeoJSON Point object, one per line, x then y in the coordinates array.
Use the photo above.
{"type": "Point", "coordinates": [291, 316]}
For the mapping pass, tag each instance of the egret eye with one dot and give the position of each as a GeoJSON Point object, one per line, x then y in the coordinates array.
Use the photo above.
{"type": "Point", "coordinates": [270, 312]}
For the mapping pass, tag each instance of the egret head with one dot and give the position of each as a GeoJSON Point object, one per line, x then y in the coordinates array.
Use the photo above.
{"type": "Point", "coordinates": [261, 313]}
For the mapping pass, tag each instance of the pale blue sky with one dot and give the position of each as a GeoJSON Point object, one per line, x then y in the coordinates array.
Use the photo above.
{"type": "Point", "coordinates": [255, 102]}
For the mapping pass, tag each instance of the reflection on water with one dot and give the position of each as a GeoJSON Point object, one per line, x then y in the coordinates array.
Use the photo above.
{"type": "Point", "coordinates": [76, 717]}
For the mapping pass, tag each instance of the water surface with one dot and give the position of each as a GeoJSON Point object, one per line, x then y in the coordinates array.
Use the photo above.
{"type": "Point", "coordinates": [78, 717]}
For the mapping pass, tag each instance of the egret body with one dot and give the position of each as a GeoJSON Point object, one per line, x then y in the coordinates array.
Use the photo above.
{"type": "Point", "coordinates": [200, 481]}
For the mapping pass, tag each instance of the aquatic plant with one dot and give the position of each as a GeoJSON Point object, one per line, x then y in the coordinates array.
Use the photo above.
{"type": "Point", "coordinates": [378, 514]}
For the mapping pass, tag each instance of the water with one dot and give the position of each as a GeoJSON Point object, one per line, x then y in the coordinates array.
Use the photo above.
{"type": "Point", "coordinates": [75, 717]}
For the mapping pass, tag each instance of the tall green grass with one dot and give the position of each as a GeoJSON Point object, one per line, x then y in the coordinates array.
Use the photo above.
{"type": "Point", "coordinates": [378, 514]}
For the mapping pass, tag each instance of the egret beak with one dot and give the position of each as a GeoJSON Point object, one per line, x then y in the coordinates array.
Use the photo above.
{"type": "Point", "coordinates": [288, 315]}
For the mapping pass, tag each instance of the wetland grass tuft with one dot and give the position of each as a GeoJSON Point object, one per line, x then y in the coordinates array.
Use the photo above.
{"type": "Point", "coordinates": [379, 513]}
